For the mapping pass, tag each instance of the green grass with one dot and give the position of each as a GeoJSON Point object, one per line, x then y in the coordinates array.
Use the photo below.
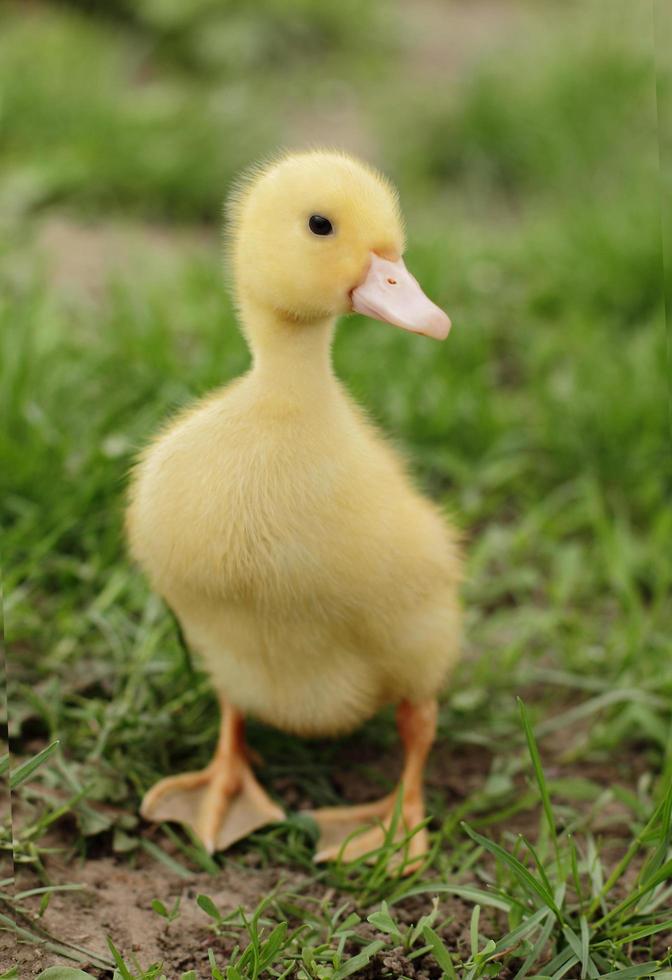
{"type": "Point", "coordinates": [93, 115]}
{"type": "Point", "coordinates": [553, 898]}
{"type": "Point", "coordinates": [542, 424]}
{"type": "Point", "coordinates": [86, 125]}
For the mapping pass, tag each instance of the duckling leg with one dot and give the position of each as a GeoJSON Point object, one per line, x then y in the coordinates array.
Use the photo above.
{"type": "Point", "coordinates": [223, 802]}
{"type": "Point", "coordinates": [417, 727]}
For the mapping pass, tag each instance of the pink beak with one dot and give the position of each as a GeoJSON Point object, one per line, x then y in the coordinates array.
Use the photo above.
{"type": "Point", "coordinates": [390, 293]}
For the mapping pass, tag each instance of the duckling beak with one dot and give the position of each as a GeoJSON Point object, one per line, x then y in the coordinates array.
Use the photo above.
{"type": "Point", "coordinates": [391, 294]}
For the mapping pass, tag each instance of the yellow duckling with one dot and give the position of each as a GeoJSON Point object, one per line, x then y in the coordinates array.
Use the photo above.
{"type": "Point", "coordinates": [304, 567]}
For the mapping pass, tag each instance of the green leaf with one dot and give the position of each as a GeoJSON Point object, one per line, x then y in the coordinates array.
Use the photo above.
{"type": "Point", "coordinates": [645, 931]}
{"type": "Point", "coordinates": [661, 851]}
{"type": "Point", "coordinates": [580, 948]}
{"type": "Point", "coordinates": [439, 952]}
{"type": "Point", "coordinates": [663, 874]}
{"type": "Point", "coordinates": [26, 769]}
{"type": "Point", "coordinates": [649, 969]}
{"type": "Point", "coordinates": [473, 930]}
{"type": "Point", "coordinates": [383, 920]}
{"type": "Point", "coordinates": [121, 966]}
{"type": "Point", "coordinates": [423, 922]}
{"type": "Point", "coordinates": [539, 946]}
{"type": "Point", "coordinates": [561, 963]}
{"type": "Point", "coordinates": [358, 962]}
{"type": "Point", "coordinates": [489, 899]}
{"type": "Point", "coordinates": [160, 908]}
{"type": "Point", "coordinates": [533, 886]}
{"type": "Point", "coordinates": [272, 945]}
{"type": "Point", "coordinates": [214, 969]}
{"type": "Point", "coordinates": [585, 946]}
{"type": "Point", "coordinates": [206, 903]}
{"type": "Point", "coordinates": [513, 938]}
{"type": "Point", "coordinates": [537, 860]}
{"type": "Point", "coordinates": [160, 855]}
{"type": "Point", "coordinates": [46, 890]}
{"type": "Point", "coordinates": [533, 749]}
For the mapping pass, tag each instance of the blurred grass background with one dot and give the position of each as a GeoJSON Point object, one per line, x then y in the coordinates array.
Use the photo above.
{"type": "Point", "coordinates": [524, 139]}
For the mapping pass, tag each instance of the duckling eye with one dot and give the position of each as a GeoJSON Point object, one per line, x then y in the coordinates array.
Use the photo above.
{"type": "Point", "coordinates": [319, 225]}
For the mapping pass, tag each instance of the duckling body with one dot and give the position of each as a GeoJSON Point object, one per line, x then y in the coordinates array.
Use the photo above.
{"type": "Point", "coordinates": [314, 580]}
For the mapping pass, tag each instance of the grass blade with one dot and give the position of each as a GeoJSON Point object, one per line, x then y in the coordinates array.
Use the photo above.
{"type": "Point", "coordinates": [439, 952]}
{"type": "Point", "coordinates": [358, 962]}
{"type": "Point", "coordinates": [121, 966]}
{"type": "Point", "coordinates": [160, 855]}
{"type": "Point", "coordinates": [538, 947]}
{"type": "Point", "coordinates": [531, 885]}
{"type": "Point", "coordinates": [533, 750]}
{"type": "Point", "coordinates": [23, 772]}
{"type": "Point", "coordinates": [473, 930]}
{"type": "Point", "coordinates": [494, 900]}
{"type": "Point", "coordinates": [643, 970]}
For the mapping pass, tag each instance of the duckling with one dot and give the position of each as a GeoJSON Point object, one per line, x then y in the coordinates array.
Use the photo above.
{"type": "Point", "coordinates": [310, 575]}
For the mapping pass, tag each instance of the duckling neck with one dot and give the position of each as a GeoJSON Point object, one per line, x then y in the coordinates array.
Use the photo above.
{"type": "Point", "coordinates": [291, 357]}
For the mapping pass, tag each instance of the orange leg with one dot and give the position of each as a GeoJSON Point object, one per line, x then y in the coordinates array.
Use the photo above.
{"type": "Point", "coordinates": [417, 728]}
{"type": "Point", "coordinates": [223, 802]}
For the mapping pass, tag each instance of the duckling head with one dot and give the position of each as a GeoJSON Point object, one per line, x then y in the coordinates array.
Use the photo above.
{"type": "Point", "coordinates": [317, 234]}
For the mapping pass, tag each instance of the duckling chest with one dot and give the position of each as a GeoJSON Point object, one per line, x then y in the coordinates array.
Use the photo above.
{"type": "Point", "coordinates": [266, 511]}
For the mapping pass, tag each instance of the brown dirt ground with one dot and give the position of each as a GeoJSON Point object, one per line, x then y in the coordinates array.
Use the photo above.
{"type": "Point", "coordinates": [116, 896]}
{"type": "Point", "coordinates": [81, 258]}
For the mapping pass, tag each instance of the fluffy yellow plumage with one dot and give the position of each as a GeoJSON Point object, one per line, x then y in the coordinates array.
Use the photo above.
{"type": "Point", "coordinates": [314, 580]}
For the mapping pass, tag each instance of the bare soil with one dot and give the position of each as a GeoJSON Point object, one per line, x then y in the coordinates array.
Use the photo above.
{"type": "Point", "coordinates": [116, 895]}
{"type": "Point", "coordinates": [116, 902]}
{"type": "Point", "coordinates": [82, 258]}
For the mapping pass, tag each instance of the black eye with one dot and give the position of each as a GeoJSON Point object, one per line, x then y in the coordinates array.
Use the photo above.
{"type": "Point", "coordinates": [319, 225]}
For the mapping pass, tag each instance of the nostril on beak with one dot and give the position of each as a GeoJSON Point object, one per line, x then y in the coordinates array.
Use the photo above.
{"type": "Point", "coordinates": [392, 282]}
